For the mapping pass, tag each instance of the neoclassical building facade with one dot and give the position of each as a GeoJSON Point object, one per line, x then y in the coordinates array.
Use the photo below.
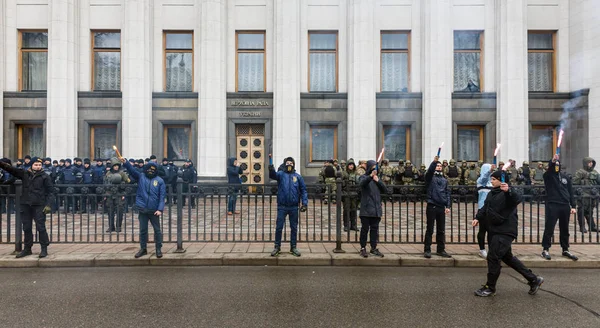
{"type": "Point", "coordinates": [312, 79]}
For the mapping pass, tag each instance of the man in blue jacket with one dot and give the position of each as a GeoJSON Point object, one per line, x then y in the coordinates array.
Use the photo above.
{"type": "Point", "coordinates": [233, 178]}
{"type": "Point", "coordinates": [150, 202]}
{"type": "Point", "coordinates": [291, 190]}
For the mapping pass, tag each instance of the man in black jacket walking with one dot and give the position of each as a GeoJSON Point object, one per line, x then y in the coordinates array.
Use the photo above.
{"type": "Point", "coordinates": [37, 197]}
{"type": "Point", "coordinates": [560, 204]}
{"type": "Point", "coordinates": [438, 205]}
{"type": "Point", "coordinates": [370, 208]}
{"type": "Point", "coordinates": [499, 212]}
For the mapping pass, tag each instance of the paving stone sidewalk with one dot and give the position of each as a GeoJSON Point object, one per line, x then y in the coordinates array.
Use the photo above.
{"type": "Point", "coordinates": [317, 254]}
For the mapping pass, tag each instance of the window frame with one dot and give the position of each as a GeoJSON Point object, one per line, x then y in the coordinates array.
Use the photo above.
{"type": "Point", "coordinates": [394, 51]}
{"type": "Point", "coordinates": [20, 128]}
{"type": "Point", "coordinates": [310, 141]}
{"type": "Point", "coordinates": [166, 128]}
{"type": "Point", "coordinates": [553, 52]}
{"type": "Point", "coordinates": [481, 129]}
{"type": "Point", "coordinates": [337, 57]}
{"type": "Point", "coordinates": [166, 51]}
{"type": "Point", "coordinates": [21, 50]}
{"type": "Point", "coordinates": [93, 51]}
{"type": "Point", "coordinates": [390, 126]}
{"type": "Point", "coordinates": [554, 128]}
{"type": "Point", "coordinates": [251, 51]}
{"type": "Point", "coordinates": [93, 128]}
{"type": "Point", "coordinates": [481, 57]}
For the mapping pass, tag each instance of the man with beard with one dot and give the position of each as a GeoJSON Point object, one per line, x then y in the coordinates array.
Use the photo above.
{"type": "Point", "coordinates": [150, 202]}
{"type": "Point", "coordinates": [291, 191]}
{"type": "Point", "coordinates": [37, 196]}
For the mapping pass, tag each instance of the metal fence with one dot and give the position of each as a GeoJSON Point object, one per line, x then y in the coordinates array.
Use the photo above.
{"type": "Point", "coordinates": [198, 212]}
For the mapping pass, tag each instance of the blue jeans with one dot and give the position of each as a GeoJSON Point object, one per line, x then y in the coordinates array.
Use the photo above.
{"type": "Point", "coordinates": [232, 200]}
{"type": "Point", "coordinates": [155, 220]}
{"type": "Point", "coordinates": [282, 212]}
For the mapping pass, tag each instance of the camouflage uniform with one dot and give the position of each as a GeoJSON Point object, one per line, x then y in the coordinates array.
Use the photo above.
{"type": "Point", "coordinates": [360, 170]}
{"type": "Point", "coordinates": [386, 172]}
{"type": "Point", "coordinates": [512, 172]}
{"type": "Point", "coordinates": [524, 174]}
{"type": "Point", "coordinates": [452, 173]}
{"type": "Point", "coordinates": [472, 175]}
{"type": "Point", "coordinates": [399, 173]}
{"type": "Point", "coordinates": [330, 173]}
{"type": "Point", "coordinates": [587, 176]}
{"type": "Point", "coordinates": [350, 200]}
{"type": "Point", "coordinates": [420, 181]}
{"type": "Point", "coordinates": [464, 167]}
{"type": "Point", "coordinates": [500, 166]}
{"type": "Point", "coordinates": [537, 174]}
{"type": "Point", "coordinates": [409, 174]}
{"type": "Point", "coordinates": [444, 166]}
{"type": "Point", "coordinates": [343, 165]}
{"type": "Point", "coordinates": [115, 182]}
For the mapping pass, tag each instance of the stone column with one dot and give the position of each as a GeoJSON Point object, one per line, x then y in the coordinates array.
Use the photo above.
{"type": "Point", "coordinates": [512, 109]}
{"type": "Point", "coordinates": [361, 80]}
{"type": "Point", "coordinates": [212, 109]}
{"type": "Point", "coordinates": [436, 78]}
{"type": "Point", "coordinates": [286, 87]}
{"type": "Point", "coordinates": [61, 113]}
{"type": "Point", "coordinates": [3, 70]}
{"type": "Point", "coordinates": [137, 79]}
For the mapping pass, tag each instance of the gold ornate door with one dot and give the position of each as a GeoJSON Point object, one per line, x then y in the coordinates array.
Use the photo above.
{"type": "Point", "coordinates": [251, 151]}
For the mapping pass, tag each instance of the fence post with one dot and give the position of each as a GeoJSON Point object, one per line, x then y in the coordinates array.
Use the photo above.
{"type": "Point", "coordinates": [18, 228]}
{"type": "Point", "coordinates": [179, 216]}
{"type": "Point", "coordinates": [338, 217]}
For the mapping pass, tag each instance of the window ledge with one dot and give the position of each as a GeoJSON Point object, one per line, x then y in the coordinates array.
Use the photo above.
{"type": "Point", "coordinates": [249, 95]}
{"type": "Point", "coordinates": [100, 94]}
{"type": "Point", "coordinates": [25, 94]}
{"type": "Point", "coordinates": [549, 95]}
{"type": "Point", "coordinates": [399, 95]}
{"type": "Point", "coordinates": [323, 95]}
{"type": "Point", "coordinates": [175, 95]}
{"type": "Point", "coordinates": [473, 95]}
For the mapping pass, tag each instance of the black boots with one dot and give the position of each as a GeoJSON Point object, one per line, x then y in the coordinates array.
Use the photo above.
{"type": "Point", "coordinates": [44, 252]}
{"type": "Point", "coordinates": [24, 252]}
{"type": "Point", "coordinates": [141, 253]}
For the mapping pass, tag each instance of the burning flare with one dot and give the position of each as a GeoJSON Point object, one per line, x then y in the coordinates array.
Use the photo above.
{"type": "Point", "coordinates": [380, 155]}
{"type": "Point", "coordinates": [497, 149]}
{"type": "Point", "coordinates": [117, 150]}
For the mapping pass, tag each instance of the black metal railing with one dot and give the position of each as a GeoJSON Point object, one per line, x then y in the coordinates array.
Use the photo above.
{"type": "Point", "coordinates": [199, 212]}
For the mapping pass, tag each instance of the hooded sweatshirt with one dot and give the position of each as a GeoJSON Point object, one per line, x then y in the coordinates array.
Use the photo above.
{"type": "Point", "coordinates": [484, 183]}
{"type": "Point", "coordinates": [233, 172]}
{"type": "Point", "coordinates": [587, 175]}
{"type": "Point", "coordinates": [559, 189]}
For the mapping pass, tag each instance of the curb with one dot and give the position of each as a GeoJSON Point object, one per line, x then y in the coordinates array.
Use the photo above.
{"type": "Point", "coordinates": [264, 259]}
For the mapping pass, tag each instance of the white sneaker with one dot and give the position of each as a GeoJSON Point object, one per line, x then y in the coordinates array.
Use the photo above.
{"type": "Point", "coordinates": [483, 253]}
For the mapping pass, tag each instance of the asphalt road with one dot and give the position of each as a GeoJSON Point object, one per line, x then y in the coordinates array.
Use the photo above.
{"type": "Point", "coordinates": [291, 297]}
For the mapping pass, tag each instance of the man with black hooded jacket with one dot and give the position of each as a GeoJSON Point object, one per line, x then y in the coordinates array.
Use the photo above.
{"type": "Point", "coordinates": [438, 205]}
{"type": "Point", "coordinates": [499, 212]}
{"type": "Point", "coordinates": [560, 204]}
{"type": "Point", "coordinates": [371, 189]}
{"type": "Point", "coordinates": [291, 191]}
{"type": "Point", "coordinates": [37, 197]}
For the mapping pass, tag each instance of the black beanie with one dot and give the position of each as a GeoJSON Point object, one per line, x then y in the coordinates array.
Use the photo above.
{"type": "Point", "coordinates": [36, 159]}
{"type": "Point", "coordinates": [497, 174]}
{"type": "Point", "coordinates": [165, 159]}
{"type": "Point", "coordinates": [291, 159]}
{"type": "Point", "coordinates": [86, 161]}
{"type": "Point", "coordinates": [68, 160]}
{"type": "Point", "coordinates": [27, 157]}
{"type": "Point", "coordinates": [153, 157]}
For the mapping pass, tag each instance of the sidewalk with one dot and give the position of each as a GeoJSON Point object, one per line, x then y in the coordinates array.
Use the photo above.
{"type": "Point", "coordinates": [257, 254]}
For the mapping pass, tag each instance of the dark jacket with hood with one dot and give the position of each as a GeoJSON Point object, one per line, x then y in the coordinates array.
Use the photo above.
{"type": "Point", "coordinates": [587, 175]}
{"type": "Point", "coordinates": [38, 189]}
{"type": "Point", "coordinates": [499, 212]}
{"type": "Point", "coordinates": [151, 191]}
{"type": "Point", "coordinates": [291, 188]}
{"type": "Point", "coordinates": [233, 172]}
{"type": "Point", "coordinates": [559, 188]}
{"type": "Point", "coordinates": [437, 187]}
{"type": "Point", "coordinates": [370, 193]}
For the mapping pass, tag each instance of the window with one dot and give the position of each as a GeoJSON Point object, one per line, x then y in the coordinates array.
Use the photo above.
{"type": "Point", "coordinates": [395, 59]}
{"type": "Point", "coordinates": [177, 141]}
{"type": "Point", "coordinates": [541, 61]}
{"type": "Point", "coordinates": [396, 140]}
{"type": "Point", "coordinates": [33, 60]}
{"type": "Point", "coordinates": [470, 143]}
{"type": "Point", "coordinates": [179, 61]}
{"type": "Point", "coordinates": [30, 140]}
{"type": "Point", "coordinates": [251, 61]}
{"type": "Point", "coordinates": [102, 138]}
{"type": "Point", "coordinates": [468, 61]}
{"type": "Point", "coordinates": [322, 62]}
{"type": "Point", "coordinates": [542, 142]}
{"type": "Point", "coordinates": [323, 143]}
{"type": "Point", "coordinates": [106, 48]}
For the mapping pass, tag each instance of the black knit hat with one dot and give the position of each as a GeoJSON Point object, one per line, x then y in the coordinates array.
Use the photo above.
{"type": "Point", "coordinates": [77, 159]}
{"type": "Point", "coordinates": [153, 157]}
{"type": "Point", "coordinates": [48, 159]}
{"type": "Point", "coordinates": [27, 157]}
{"type": "Point", "coordinates": [140, 161]}
{"type": "Point", "coordinates": [54, 162]}
{"type": "Point", "coordinates": [86, 161]}
{"type": "Point", "coordinates": [68, 160]}
{"type": "Point", "coordinates": [36, 159]}
{"type": "Point", "coordinates": [497, 174]}
{"type": "Point", "coordinates": [165, 159]}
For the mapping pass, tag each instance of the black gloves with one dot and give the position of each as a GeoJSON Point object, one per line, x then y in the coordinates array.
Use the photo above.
{"type": "Point", "coordinates": [303, 208]}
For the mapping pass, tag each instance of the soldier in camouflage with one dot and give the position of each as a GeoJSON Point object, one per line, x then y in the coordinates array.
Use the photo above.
{"type": "Point", "coordinates": [330, 173]}
{"type": "Point", "coordinates": [362, 167]}
{"type": "Point", "coordinates": [115, 181]}
{"type": "Point", "coordinates": [409, 173]}
{"type": "Point", "coordinates": [343, 165]}
{"type": "Point", "coordinates": [452, 173]}
{"type": "Point", "coordinates": [387, 172]}
{"type": "Point", "coordinates": [472, 175]}
{"type": "Point", "coordinates": [420, 180]}
{"type": "Point", "coordinates": [524, 174]}
{"type": "Point", "coordinates": [398, 173]}
{"type": "Point", "coordinates": [444, 166]}
{"type": "Point", "coordinates": [537, 174]}
{"type": "Point", "coordinates": [464, 167]}
{"type": "Point", "coordinates": [512, 172]}
{"type": "Point", "coordinates": [500, 166]}
{"type": "Point", "coordinates": [587, 176]}
{"type": "Point", "coordinates": [350, 201]}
